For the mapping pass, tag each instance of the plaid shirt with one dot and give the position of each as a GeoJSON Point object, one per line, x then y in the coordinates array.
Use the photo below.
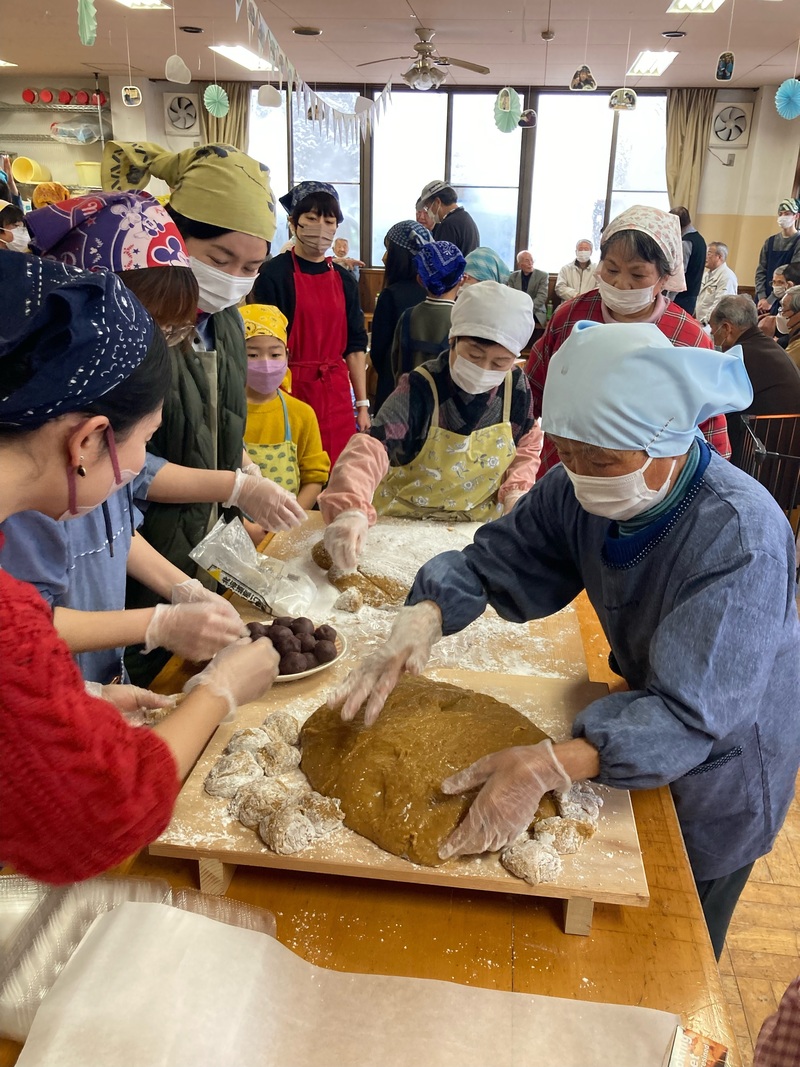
{"type": "Point", "coordinates": [778, 1043]}
{"type": "Point", "coordinates": [678, 327]}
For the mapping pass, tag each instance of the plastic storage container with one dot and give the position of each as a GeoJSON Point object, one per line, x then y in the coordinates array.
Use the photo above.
{"type": "Point", "coordinates": [88, 174]}
{"type": "Point", "coordinates": [28, 170]}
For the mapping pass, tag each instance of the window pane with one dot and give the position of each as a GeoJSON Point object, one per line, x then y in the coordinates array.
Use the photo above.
{"type": "Point", "coordinates": [350, 227]}
{"type": "Point", "coordinates": [482, 155]}
{"type": "Point", "coordinates": [268, 144]}
{"type": "Point", "coordinates": [570, 175]}
{"type": "Point", "coordinates": [495, 214]}
{"type": "Point", "coordinates": [640, 164]}
{"type": "Point", "coordinates": [621, 201]}
{"type": "Point", "coordinates": [407, 153]}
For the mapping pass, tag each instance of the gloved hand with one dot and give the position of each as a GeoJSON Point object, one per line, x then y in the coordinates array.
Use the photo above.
{"type": "Point", "coordinates": [239, 673]}
{"type": "Point", "coordinates": [252, 470]}
{"type": "Point", "coordinates": [128, 698]}
{"type": "Point", "coordinates": [265, 502]}
{"type": "Point", "coordinates": [514, 781]}
{"type": "Point", "coordinates": [344, 538]}
{"type": "Point", "coordinates": [415, 631]}
{"type": "Point", "coordinates": [194, 631]}
{"type": "Point", "coordinates": [193, 592]}
{"type": "Point", "coordinates": [510, 499]}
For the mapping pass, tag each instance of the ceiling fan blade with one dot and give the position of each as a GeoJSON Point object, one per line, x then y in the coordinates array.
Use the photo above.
{"type": "Point", "coordinates": [448, 61]}
{"type": "Point", "coordinates": [389, 59]}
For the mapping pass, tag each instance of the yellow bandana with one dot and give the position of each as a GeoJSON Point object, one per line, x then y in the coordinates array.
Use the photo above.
{"type": "Point", "coordinates": [264, 320]}
{"type": "Point", "coordinates": [215, 183]}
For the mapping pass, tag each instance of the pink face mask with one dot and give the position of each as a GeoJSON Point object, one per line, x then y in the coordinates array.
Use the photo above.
{"type": "Point", "coordinates": [265, 375]}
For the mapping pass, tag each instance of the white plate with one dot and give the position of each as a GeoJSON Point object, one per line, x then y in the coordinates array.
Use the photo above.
{"type": "Point", "coordinates": [341, 645]}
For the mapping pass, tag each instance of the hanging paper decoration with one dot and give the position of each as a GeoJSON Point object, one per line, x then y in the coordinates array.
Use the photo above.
{"type": "Point", "coordinates": [527, 119]}
{"type": "Point", "coordinates": [362, 104]}
{"type": "Point", "coordinates": [787, 99]}
{"type": "Point", "coordinates": [216, 101]}
{"type": "Point", "coordinates": [175, 70]}
{"type": "Point", "coordinates": [583, 81]}
{"type": "Point", "coordinates": [725, 67]}
{"type": "Point", "coordinates": [622, 100]}
{"type": "Point", "coordinates": [131, 95]}
{"type": "Point", "coordinates": [507, 109]}
{"type": "Point", "coordinates": [87, 21]}
{"type": "Point", "coordinates": [268, 96]}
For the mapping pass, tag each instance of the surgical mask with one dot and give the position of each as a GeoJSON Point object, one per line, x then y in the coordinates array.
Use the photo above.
{"type": "Point", "coordinates": [786, 221]}
{"type": "Point", "coordinates": [315, 237]}
{"type": "Point", "coordinates": [781, 324]}
{"type": "Point", "coordinates": [625, 301]}
{"type": "Point", "coordinates": [474, 379]}
{"type": "Point", "coordinates": [433, 216]}
{"type": "Point", "coordinates": [621, 497]}
{"type": "Point", "coordinates": [779, 290]}
{"type": "Point", "coordinates": [265, 375]}
{"type": "Point", "coordinates": [583, 257]}
{"type": "Point", "coordinates": [218, 290]}
{"type": "Point", "coordinates": [20, 239]}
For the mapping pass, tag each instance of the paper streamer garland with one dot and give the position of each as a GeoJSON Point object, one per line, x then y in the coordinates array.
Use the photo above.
{"type": "Point", "coordinates": [216, 101]}
{"type": "Point", "coordinates": [787, 99]}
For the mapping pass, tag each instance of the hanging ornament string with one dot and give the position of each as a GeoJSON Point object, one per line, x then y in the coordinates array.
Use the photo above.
{"type": "Point", "coordinates": [586, 49]}
{"type": "Point", "coordinates": [547, 43]}
{"type": "Point", "coordinates": [730, 26]}
{"type": "Point", "coordinates": [128, 50]}
{"type": "Point", "coordinates": [797, 57]}
{"type": "Point", "coordinates": [627, 61]}
{"type": "Point", "coordinates": [175, 28]}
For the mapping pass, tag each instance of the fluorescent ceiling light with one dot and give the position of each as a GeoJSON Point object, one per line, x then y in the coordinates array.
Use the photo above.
{"type": "Point", "coordinates": [694, 7]}
{"type": "Point", "coordinates": [3, 63]}
{"type": "Point", "coordinates": [651, 64]}
{"type": "Point", "coordinates": [237, 53]}
{"type": "Point", "coordinates": [145, 5]}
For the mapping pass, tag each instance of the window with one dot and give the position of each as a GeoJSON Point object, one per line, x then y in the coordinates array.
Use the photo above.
{"type": "Point", "coordinates": [484, 170]}
{"type": "Point", "coordinates": [269, 144]}
{"type": "Point", "coordinates": [639, 166]}
{"type": "Point", "coordinates": [408, 152]}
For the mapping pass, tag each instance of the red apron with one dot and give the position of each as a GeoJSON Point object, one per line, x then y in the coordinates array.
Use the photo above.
{"type": "Point", "coordinates": [317, 341]}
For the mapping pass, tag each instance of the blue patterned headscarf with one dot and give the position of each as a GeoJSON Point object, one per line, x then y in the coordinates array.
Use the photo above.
{"type": "Point", "coordinates": [440, 266]}
{"type": "Point", "coordinates": [290, 200]}
{"type": "Point", "coordinates": [409, 235]}
{"type": "Point", "coordinates": [624, 386]}
{"type": "Point", "coordinates": [82, 334]}
{"type": "Point", "coordinates": [485, 265]}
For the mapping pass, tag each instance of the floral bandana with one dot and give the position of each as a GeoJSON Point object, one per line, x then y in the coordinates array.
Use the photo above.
{"type": "Point", "coordinates": [412, 236]}
{"type": "Point", "coordinates": [664, 228]}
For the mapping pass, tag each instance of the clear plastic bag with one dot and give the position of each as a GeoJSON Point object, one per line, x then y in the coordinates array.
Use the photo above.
{"type": "Point", "coordinates": [229, 556]}
{"type": "Point", "coordinates": [84, 129]}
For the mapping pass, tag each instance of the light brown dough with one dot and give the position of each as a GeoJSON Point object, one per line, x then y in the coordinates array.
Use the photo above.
{"type": "Point", "coordinates": [324, 813]}
{"type": "Point", "coordinates": [255, 801]}
{"type": "Point", "coordinates": [388, 776]}
{"type": "Point", "coordinates": [230, 773]}
{"type": "Point", "coordinates": [277, 757]}
{"type": "Point", "coordinates": [286, 831]}
{"type": "Point", "coordinates": [350, 600]}
{"type": "Point", "coordinates": [568, 835]}
{"type": "Point", "coordinates": [534, 860]}
{"type": "Point", "coordinates": [376, 589]}
{"type": "Point", "coordinates": [250, 739]}
{"type": "Point", "coordinates": [282, 726]}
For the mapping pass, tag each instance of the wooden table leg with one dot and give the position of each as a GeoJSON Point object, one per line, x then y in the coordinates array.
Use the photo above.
{"type": "Point", "coordinates": [578, 913]}
{"type": "Point", "coordinates": [215, 877]}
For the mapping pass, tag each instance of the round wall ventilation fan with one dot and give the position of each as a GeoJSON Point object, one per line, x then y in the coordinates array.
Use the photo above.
{"type": "Point", "coordinates": [181, 114]}
{"type": "Point", "coordinates": [730, 124]}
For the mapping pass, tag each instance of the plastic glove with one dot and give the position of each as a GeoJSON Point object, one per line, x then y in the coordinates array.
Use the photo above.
{"type": "Point", "coordinates": [252, 470]}
{"type": "Point", "coordinates": [344, 539]}
{"type": "Point", "coordinates": [415, 631]}
{"type": "Point", "coordinates": [193, 592]}
{"type": "Point", "coordinates": [511, 499]}
{"type": "Point", "coordinates": [265, 502]}
{"type": "Point", "coordinates": [194, 631]}
{"type": "Point", "coordinates": [239, 673]}
{"type": "Point", "coordinates": [514, 782]}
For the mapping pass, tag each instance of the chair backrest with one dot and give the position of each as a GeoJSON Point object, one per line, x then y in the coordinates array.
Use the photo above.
{"type": "Point", "coordinates": [778, 433]}
{"type": "Point", "coordinates": [777, 472]}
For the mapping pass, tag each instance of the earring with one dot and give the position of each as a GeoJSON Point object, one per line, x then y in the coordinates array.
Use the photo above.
{"type": "Point", "coordinates": [80, 470]}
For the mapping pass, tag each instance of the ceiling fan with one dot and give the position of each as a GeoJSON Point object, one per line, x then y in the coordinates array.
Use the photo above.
{"type": "Point", "coordinates": [423, 73]}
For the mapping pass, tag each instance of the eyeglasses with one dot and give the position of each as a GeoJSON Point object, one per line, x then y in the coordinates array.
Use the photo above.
{"type": "Point", "coordinates": [174, 334]}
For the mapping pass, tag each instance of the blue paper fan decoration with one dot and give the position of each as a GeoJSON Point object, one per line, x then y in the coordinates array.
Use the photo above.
{"type": "Point", "coordinates": [787, 99]}
{"type": "Point", "coordinates": [507, 109]}
{"type": "Point", "coordinates": [216, 101]}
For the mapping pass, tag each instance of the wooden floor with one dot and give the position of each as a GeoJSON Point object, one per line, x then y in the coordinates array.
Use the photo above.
{"type": "Point", "coordinates": [762, 951]}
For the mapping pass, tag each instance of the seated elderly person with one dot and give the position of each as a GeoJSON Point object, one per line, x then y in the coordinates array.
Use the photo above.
{"type": "Point", "coordinates": [689, 564]}
{"type": "Point", "coordinates": [577, 276]}
{"type": "Point", "coordinates": [789, 323]}
{"type": "Point", "coordinates": [718, 281]}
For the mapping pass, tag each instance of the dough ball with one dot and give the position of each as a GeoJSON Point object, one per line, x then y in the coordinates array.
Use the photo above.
{"type": "Point", "coordinates": [351, 600]}
{"type": "Point", "coordinates": [568, 835]}
{"type": "Point", "coordinates": [307, 642]}
{"type": "Point", "coordinates": [324, 813]}
{"type": "Point", "coordinates": [250, 739]}
{"type": "Point", "coordinates": [325, 633]}
{"type": "Point", "coordinates": [230, 773]}
{"type": "Point", "coordinates": [284, 620]}
{"type": "Point", "coordinates": [302, 626]}
{"type": "Point", "coordinates": [311, 660]}
{"type": "Point", "coordinates": [286, 645]}
{"type": "Point", "coordinates": [325, 652]}
{"type": "Point", "coordinates": [256, 801]}
{"type": "Point", "coordinates": [282, 726]}
{"type": "Point", "coordinates": [534, 861]}
{"type": "Point", "coordinates": [258, 629]}
{"type": "Point", "coordinates": [277, 757]}
{"type": "Point", "coordinates": [286, 831]}
{"type": "Point", "coordinates": [321, 557]}
{"type": "Point", "coordinates": [581, 803]}
{"type": "Point", "coordinates": [292, 663]}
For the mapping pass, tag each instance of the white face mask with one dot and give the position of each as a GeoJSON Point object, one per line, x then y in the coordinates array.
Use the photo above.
{"type": "Point", "coordinates": [781, 324]}
{"type": "Point", "coordinates": [779, 290]}
{"type": "Point", "coordinates": [20, 239]}
{"type": "Point", "coordinates": [474, 379]}
{"type": "Point", "coordinates": [218, 290]}
{"type": "Point", "coordinates": [433, 216]}
{"type": "Point", "coordinates": [625, 301]}
{"type": "Point", "coordinates": [583, 257]}
{"type": "Point", "coordinates": [621, 497]}
{"type": "Point", "coordinates": [786, 221]}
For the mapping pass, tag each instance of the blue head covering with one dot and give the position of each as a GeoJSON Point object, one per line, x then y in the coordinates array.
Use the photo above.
{"type": "Point", "coordinates": [440, 266]}
{"type": "Point", "coordinates": [82, 334]}
{"type": "Point", "coordinates": [624, 386]}
{"type": "Point", "coordinates": [484, 265]}
{"type": "Point", "coordinates": [410, 235]}
{"type": "Point", "coordinates": [295, 196]}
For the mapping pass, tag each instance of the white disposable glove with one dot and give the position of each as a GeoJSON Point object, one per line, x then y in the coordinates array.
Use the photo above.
{"type": "Point", "coordinates": [415, 631]}
{"type": "Point", "coordinates": [239, 673]}
{"type": "Point", "coordinates": [265, 502]}
{"type": "Point", "coordinates": [252, 470]}
{"type": "Point", "coordinates": [194, 592]}
{"type": "Point", "coordinates": [129, 700]}
{"type": "Point", "coordinates": [344, 539]}
{"type": "Point", "coordinates": [514, 781]}
{"type": "Point", "coordinates": [511, 498]}
{"type": "Point", "coordinates": [194, 631]}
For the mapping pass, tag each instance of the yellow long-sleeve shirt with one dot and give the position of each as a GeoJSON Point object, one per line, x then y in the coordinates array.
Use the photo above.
{"type": "Point", "coordinates": [265, 426]}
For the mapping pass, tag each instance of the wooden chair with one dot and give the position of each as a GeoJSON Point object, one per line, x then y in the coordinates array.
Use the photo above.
{"type": "Point", "coordinates": [777, 470]}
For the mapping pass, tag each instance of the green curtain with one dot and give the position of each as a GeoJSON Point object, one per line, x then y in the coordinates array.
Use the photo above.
{"type": "Point", "coordinates": [234, 129]}
{"type": "Point", "coordinates": [689, 114]}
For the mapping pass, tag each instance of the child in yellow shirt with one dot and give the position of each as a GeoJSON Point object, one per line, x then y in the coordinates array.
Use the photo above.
{"type": "Point", "coordinates": [282, 433]}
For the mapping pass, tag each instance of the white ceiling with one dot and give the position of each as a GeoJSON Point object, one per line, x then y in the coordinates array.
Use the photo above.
{"type": "Point", "coordinates": [505, 36]}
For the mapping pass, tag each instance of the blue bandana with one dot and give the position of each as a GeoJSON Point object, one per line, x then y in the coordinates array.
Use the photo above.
{"type": "Point", "coordinates": [440, 266]}
{"type": "Point", "coordinates": [409, 235]}
{"type": "Point", "coordinates": [295, 196]}
{"type": "Point", "coordinates": [83, 334]}
{"type": "Point", "coordinates": [484, 265]}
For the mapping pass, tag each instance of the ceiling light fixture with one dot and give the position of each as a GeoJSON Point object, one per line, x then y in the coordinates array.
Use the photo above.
{"type": "Point", "coordinates": [424, 77]}
{"type": "Point", "coordinates": [4, 63]}
{"type": "Point", "coordinates": [694, 7]}
{"type": "Point", "coordinates": [306, 31]}
{"type": "Point", "coordinates": [145, 5]}
{"type": "Point", "coordinates": [673, 35]}
{"type": "Point", "coordinates": [191, 29]}
{"type": "Point", "coordinates": [237, 53]}
{"type": "Point", "coordinates": [651, 64]}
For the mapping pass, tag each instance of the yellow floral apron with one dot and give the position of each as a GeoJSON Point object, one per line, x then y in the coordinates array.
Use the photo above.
{"type": "Point", "coordinates": [278, 462]}
{"type": "Point", "coordinates": [454, 478]}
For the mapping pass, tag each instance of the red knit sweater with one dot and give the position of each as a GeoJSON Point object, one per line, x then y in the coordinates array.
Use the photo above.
{"type": "Point", "coordinates": [80, 789]}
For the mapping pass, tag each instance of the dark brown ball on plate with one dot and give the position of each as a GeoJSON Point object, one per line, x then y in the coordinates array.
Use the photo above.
{"type": "Point", "coordinates": [307, 642]}
{"type": "Point", "coordinates": [284, 620]}
{"type": "Point", "coordinates": [311, 661]}
{"type": "Point", "coordinates": [325, 651]}
{"type": "Point", "coordinates": [277, 632]}
{"type": "Point", "coordinates": [285, 645]}
{"type": "Point", "coordinates": [292, 663]}
{"type": "Point", "coordinates": [258, 629]}
{"type": "Point", "coordinates": [325, 633]}
{"type": "Point", "coordinates": [302, 626]}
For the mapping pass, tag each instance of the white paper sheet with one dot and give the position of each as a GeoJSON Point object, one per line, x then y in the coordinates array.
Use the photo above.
{"type": "Point", "coordinates": [156, 987]}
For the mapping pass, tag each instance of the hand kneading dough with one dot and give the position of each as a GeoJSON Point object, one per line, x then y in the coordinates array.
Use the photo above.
{"type": "Point", "coordinates": [376, 589]}
{"type": "Point", "coordinates": [388, 776]}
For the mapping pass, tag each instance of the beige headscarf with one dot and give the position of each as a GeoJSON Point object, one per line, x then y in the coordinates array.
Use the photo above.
{"type": "Point", "coordinates": [214, 183]}
{"type": "Point", "coordinates": [664, 228]}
